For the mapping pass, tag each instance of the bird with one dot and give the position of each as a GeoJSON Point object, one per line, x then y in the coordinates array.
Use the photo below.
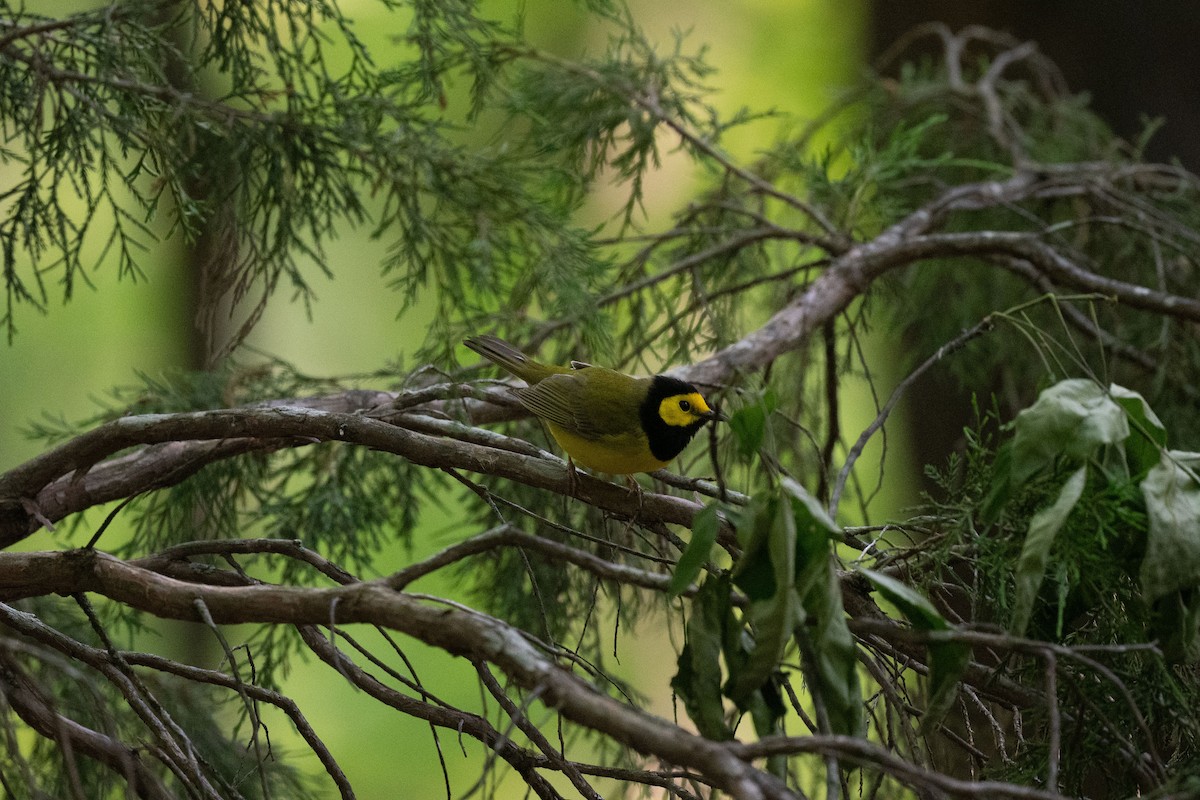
{"type": "Point", "coordinates": [605, 420]}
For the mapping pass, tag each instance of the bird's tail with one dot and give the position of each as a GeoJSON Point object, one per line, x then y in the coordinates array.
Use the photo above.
{"type": "Point", "coordinates": [503, 354]}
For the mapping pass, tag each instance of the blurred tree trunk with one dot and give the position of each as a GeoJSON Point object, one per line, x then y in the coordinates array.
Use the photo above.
{"type": "Point", "coordinates": [1136, 60]}
{"type": "Point", "coordinates": [200, 262]}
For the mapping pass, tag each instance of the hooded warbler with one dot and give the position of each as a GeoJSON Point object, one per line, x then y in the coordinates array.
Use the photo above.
{"type": "Point", "coordinates": [605, 420]}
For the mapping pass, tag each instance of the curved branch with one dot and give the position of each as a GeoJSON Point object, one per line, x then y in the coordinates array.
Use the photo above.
{"type": "Point", "coordinates": [509, 536]}
{"type": "Point", "coordinates": [55, 484]}
{"type": "Point", "coordinates": [1054, 265]}
{"type": "Point", "coordinates": [474, 636]}
{"type": "Point", "coordinates": [38, 712]}
{"type": "Point", "coordinates": [851, 273]}
{"type": "Point", "coordinates": [869, 754]}
{"type": "Point", "coordinates": [71, 477]}
{"type": "Point", "coordinates": [448, 627]}
{"type": "Point", "coordinates": [523, 761]}
{"type": "Point", "coordinates": [848, 277]}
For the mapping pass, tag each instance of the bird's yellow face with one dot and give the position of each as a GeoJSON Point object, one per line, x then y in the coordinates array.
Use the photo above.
{"type": "Point", "coordinates": [683, 410]}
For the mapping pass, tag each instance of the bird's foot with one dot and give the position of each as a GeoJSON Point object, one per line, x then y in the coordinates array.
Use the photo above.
{"type": "Point", "coordinates": [572, 478]}
{"type": "Point", "coordinates": [636, 489]}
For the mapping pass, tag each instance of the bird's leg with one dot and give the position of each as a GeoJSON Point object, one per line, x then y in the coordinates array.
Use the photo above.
{"type": "Point", "coordinates": [636, 488]}
{"type": "Point", "coordinates": [572, 478]}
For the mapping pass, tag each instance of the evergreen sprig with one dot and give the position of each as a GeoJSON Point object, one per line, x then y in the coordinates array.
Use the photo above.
{"type": "Point", "coordinates": [263, 495]}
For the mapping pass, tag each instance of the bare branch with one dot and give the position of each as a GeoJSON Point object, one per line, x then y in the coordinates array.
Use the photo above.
{"type": "Point", "coordinates": [58, 478]}
{"type": "Point", "coordinates": [872, 756]}
{"type": "Point", "coordinates": [38, 712]}
{"type": "Point", "coordinates": [910, 240]}
{"type": "Point", "coordinates": [448, 627]}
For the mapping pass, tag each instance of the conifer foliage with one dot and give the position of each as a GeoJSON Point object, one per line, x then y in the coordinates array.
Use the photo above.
{"type": "Point", "coordinates": [1031, 631]}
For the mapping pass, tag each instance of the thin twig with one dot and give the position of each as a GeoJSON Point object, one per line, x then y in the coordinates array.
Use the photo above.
{"type": "Point", "coordinates": [1054, 716]}
{"type": "Point", "coordinates": [955, 344]}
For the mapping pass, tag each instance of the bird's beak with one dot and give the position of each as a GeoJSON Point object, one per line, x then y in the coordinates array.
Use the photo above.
{"type": "Point", "coordinates": [714, 415]}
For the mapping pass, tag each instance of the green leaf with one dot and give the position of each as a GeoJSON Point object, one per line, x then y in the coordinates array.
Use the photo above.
{"type": "Point", "coordinates": [835, 655]}
{"type": "Point", "coordinates": [705, 525]}
{"type": "Point", "coordinates": [774, 618]}
{"type": "Point", "coordinates": [773, 625]}
{"type": "Point", "coordinates": [1001, 488]}
{"type": "Point", "coordinates": [766, 709]}
{"type": "Point", "coordinates": [947, 660]}
{"type": "Point", "coordinates": [915, 607]}
{"type": "Point", "coordinates": [749, 423]}
{"type": "Point", "coordinates": [1176, 625]}
{"type": "Point", "coordinates": [947, 663]}
{"type": "Point", "coordinates": [788, 549]}
{"type": "Point", "coordinates": [1145, 444]}
{"type": "Point", "coordinates": [811, 512]}
{"type": "Point", "coordinates": [832, 645]}
{"type": "Point", "coordinates": [754, 573]}
{"type": "Point", "coordinates": [698, 678]}
{"type": "Point", "coordinates": [1072, 418]}
{"type": "Point", "coordinates": [1172, 560]}
{"type": "Point", "coordinates": [1035, 552]}
{"type": "Point", "coordinates": [749, 426]}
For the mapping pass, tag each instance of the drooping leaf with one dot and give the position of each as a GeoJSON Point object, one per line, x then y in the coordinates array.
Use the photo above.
{"type": "Point", "coordinates": [753, 573]}
{"type": "Point", "coordinates": [1075, 419]}
{"type": "Point", "coordinates": [947, 660]}
{"type": "Point", "coordinates": [788, 550]}
{"type": "Point", "coordinates": [1072, 418]}
{"type": "Point", "coordinates": [835, 655]}
{"type": "Point", "coordinates": [1035, 552]}
{"type": "Point", "coordinates": [1172, 494]}
{"type": "Point", "coordinates": [705, 525]}
{"type": "Point", "coordinates": [1176, 625]}
{"type": "Point", "coordinates": [815, 510]}
{"type": "Point", "coordinates": [749, 423]}
{"type": "Point", "coordinates": [773, 626]}
{"type": "Point", "coordinates": [749, 426]}
{"type": "Point", "coordinates": [1148, 436]}
{"type": "Point", "coordinates": [766, 710]}
{"type": "Point", "coordinates": [1001, 488]}
{"type": "Point", "coordinates": [915, 607]}
{"type": "Point", "coordinates": [698, 678]}
{"type": "Point", "coordinates": [820, 593]}
{"type": "Point", "coordinates": [772, 618]}
{"type": "Point", "coordinates": [947, 663]}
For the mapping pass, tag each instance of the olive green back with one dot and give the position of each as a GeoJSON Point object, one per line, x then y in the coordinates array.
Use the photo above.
{"type": "Point", "coordinates": [592, 402]}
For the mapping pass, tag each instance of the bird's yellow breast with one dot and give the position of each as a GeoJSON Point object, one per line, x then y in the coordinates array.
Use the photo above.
{"type": "Point", "coordinates": [622, 454]}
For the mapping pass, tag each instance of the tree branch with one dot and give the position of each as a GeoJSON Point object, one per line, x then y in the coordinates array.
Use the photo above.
{"type": "Point", "coordinates": [449, 627]}
{"type": "Point", "coordinates": [53, 485]}
{"type": "Point", "coordinates": [872, 756]}
{"type": "Point", "coordinates": [38, 712]}
{"type": "Point", "coordinates": [910, 240]}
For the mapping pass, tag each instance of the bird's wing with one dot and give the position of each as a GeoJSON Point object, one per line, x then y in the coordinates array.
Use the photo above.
{"type": "Point", "coordinates": [554, 399]}
{"type": "Point", "coordinates": [559, 399]}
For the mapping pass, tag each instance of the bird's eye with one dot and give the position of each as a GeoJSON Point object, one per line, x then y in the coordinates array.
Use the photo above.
{"type": "Point", "coordinates": [684, 405]}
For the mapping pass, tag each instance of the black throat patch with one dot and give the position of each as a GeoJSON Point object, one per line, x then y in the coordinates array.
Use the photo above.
{"type": "Point", "coordinates": [666, 441]}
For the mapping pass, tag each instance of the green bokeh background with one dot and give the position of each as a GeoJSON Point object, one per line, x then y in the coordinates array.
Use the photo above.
{"type": "Point", "coordinates": [786, 54]}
